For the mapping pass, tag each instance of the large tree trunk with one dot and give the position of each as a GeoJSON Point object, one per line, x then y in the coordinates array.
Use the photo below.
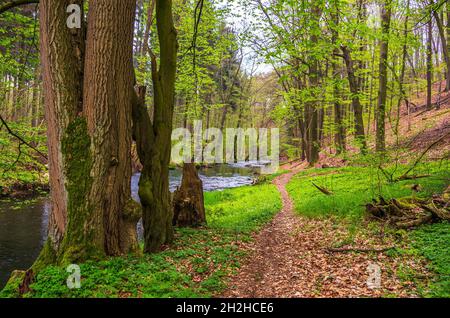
{"type": "Point", "coordinates": [382, 89]}
{"type": "Point", "coordinates": [88, 110]}
{"type": "Point", "coordinates": [62, 63]}
{"type": "Point", "coordinates": [188, 202]}
{"type": "Point", "coordinates": [107, 106]}
{"type": "Point", "coordinates": [153, 140]}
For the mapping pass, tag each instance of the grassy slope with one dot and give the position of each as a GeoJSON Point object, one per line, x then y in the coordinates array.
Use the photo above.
{"type": "Point", "coordinates": [355, 186]}
{"type": "Point", "coordinates": [433, 242]}
{"type": "Point", "coordinates": [195, 266]}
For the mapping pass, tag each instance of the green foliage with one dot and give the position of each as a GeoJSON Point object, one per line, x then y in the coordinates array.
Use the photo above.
{"type": "Point", "coordinates": [353, 187]}
{"type": "Point", "coordinates": [20, 165]}
{"type": "Point", "coordinates": [196, 265]}
{"type": "Point", "coordinates": [241, 210]}
{"type": "Point", "coordinates": [432, 241]}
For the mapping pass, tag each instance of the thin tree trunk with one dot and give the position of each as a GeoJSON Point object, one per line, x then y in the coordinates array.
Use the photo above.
{"type": "Point", "coordinates": [429, 62]}
{"type": "Point", "coordinates": [356, 104]}
{"type": "Point", "coordinates": [382, 90]}
{"type": "Point", "coordinates": [339, 135]}
{"type": "Point", "coordinates": [154, 139]}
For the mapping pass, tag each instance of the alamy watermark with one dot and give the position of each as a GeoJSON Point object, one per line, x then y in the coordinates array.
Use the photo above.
{"type": "Point", "coordinates": [374, 279]}
{"type": "Point", "coordinates": [74, 19]}
{"type": "Point", "coordinates": [217, 149]}
{"type": "Point", "coordinates": [74, 279]}
{"type": "Point", "coordinates": [233, 145]}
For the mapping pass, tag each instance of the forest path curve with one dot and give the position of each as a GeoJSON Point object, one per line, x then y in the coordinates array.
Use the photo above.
{"type": "Point", "coordinates": [289, 259]}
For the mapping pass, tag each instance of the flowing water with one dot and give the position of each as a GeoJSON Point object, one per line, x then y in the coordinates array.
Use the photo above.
{"type": "Point", "coordinates": [23, 225]}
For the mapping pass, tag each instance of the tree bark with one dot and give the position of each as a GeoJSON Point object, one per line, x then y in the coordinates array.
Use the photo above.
{"type": "Point", "coordinates": [188, 202]}
{"type": "Point", "coordinates": [61, 72]}
{"type": "Point", "coordinates": [429, 62]}
{"type": "Point", "coordinates": [108, 80]}
{"type": "Point", "coordinates": [339, 136]}
{"type": "Point", "coordinates": [382, 89]}
{"type": "Point", "coordinates": [153, 139]}
{"type": "Point", "coordinates": [311, 111]}
{"type": "Point", "coordinates": [88, 111]}
{"type": "Point", "coordinates": [356, 104]}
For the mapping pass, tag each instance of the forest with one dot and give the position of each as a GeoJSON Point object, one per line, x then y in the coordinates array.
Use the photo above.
{"type": "Point", "coordinates": [224, 148]}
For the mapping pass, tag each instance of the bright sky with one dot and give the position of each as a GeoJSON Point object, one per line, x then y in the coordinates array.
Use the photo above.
{"type": "Point", "coordinates": [239, 18]}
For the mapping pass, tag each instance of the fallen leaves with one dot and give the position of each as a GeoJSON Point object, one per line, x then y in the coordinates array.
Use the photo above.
{"type": "Point", "coordinates": [289, 258]}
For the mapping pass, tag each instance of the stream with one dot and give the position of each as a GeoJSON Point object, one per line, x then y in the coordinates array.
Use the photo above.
{"type": "Point", "coordinates": [23, 224]}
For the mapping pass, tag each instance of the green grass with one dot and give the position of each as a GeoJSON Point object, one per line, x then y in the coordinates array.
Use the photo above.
{"type": "Point", "coordinates": [433, 242]}
{"type": "Point", "coordinates": [196, 265]}
{"type": "Point", "coordinates": [353, 187]}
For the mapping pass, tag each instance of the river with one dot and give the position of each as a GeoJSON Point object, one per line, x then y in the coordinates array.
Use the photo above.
{"type": "Point", "coordinates": [23, 224]}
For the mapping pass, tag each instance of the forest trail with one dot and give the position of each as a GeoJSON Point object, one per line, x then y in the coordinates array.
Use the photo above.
{"type": "Point", "coordinates": [289, 259]}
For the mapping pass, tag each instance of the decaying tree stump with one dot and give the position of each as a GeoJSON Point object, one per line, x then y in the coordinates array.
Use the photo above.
{"type": "Point", "coordinates": [188, 203]}
{"type": "Point", "coordinates": [411, 212]}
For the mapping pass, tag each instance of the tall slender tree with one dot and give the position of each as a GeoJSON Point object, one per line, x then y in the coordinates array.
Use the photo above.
{"type": "Point", "coordinates": [386, 10]}
{"type": "Point", "coordinates": [153, 138]}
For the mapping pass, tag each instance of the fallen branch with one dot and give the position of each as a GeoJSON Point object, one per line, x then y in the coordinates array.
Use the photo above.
{"type": "Point", "coordinates": [359, 249]}
{"type": "Point", "coordinates": [322, 189]}
{"type": "Point", "coordinates": [433, 106]}
{"type": "Point", "coordinates": [413, 177]}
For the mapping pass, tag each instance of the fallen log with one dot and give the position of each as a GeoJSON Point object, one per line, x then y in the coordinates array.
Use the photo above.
{"type": "Point", "coordinates": [410, 212]}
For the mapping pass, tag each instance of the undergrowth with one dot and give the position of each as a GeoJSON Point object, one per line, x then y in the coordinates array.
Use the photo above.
{"type": "Point", "coordinates": [196, 265]}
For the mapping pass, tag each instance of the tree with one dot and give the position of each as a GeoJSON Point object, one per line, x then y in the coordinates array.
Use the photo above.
{"type": "Point", "coordinates": [153, 138]}
{"type": "Point", "coordinates": [445, 45]}
{"type": "Point", "coordinates": [355, 90]}
{"type": "Point", "coordinates": [386, 10]}
{"type": "Point", "coordinates": [339, 135]}
{"type": "Point", "coordinates": [87, 91]}
{"type": "Point", "coordinates": [429, 61]}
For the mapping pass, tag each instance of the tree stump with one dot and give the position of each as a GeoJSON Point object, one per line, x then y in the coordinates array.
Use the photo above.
{"type": "Point", "coordinates": [188, 203]}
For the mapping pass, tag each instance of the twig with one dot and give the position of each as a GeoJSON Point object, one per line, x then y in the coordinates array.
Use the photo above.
{"type": "Point", "coordinates": [12, 133]}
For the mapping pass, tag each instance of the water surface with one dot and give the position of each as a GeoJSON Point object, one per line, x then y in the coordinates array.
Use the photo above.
{"type": "Point", "coordinates": [23, 225]}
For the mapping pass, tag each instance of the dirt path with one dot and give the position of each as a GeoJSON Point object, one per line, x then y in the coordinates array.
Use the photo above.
{"type": "Point", "coordinates": [289, 259]}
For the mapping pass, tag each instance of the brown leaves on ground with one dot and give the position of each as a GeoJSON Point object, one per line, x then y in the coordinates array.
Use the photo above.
{"type": "Point", "coordinates": [289, 258]}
